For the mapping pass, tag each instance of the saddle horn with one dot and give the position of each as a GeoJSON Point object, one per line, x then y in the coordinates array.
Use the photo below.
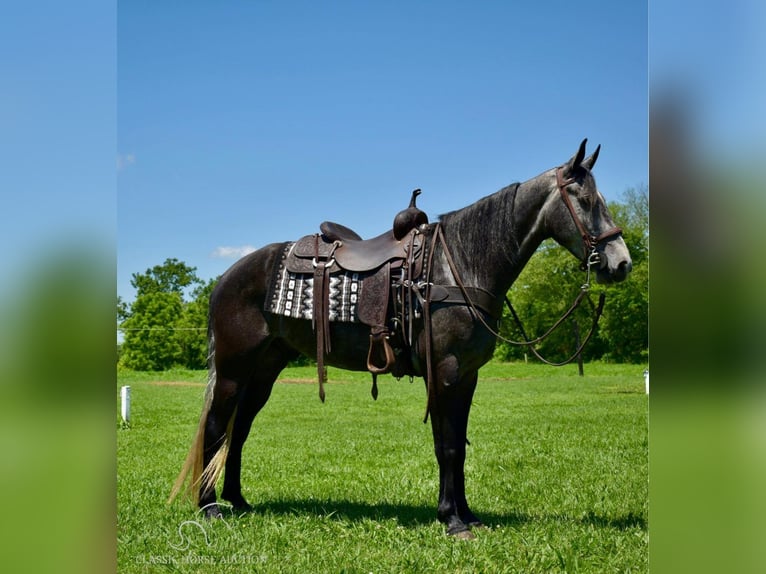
{"type": "Point", "coordinates": [409, 218]}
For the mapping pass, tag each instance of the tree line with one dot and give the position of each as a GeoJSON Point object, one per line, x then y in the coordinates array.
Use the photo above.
{"type": "Point", "coordinates": [166, 324]}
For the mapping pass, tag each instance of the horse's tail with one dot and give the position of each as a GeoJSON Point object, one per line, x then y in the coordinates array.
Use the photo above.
{"type": "Point", "coordinates": [203, 478]}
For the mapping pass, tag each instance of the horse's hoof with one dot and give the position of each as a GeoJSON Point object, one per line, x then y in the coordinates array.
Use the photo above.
{"type": "Point", "coordinates": [461, 532]}
{"type": "Point", "coordinates": [212, 511]}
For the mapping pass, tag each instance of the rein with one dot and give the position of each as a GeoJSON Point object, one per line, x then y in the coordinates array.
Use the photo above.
{"type": "Point", "coordinates": [528, 343]}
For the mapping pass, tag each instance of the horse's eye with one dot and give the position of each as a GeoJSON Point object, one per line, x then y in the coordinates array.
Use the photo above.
{"type": "Point", "coordinates": [584, 201]}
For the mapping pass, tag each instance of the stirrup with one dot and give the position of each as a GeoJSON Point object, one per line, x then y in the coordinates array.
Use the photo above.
{"type": "Point", "coordinates": [375, 340]}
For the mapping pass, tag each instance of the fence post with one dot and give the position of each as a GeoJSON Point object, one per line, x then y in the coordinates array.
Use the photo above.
{"type": "Point", "coordinates": [576, 327]}
{"type": "Point", "coordinates": [125, 403]}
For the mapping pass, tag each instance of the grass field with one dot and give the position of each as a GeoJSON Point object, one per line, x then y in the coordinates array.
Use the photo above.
{"type": "Point", "coordinates": [557, 469]}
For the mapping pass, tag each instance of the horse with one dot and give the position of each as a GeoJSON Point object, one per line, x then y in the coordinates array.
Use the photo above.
{"type": "Point", "coordinates": [484, 246]}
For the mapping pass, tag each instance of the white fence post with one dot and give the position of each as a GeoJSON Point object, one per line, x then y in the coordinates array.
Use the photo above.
{"type": "Point", "coordinates": [646, 380]}
{"type": "Point", "coordinates": [125, 403]}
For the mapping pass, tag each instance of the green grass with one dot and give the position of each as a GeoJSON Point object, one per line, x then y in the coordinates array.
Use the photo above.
{"type": "Point", "coordinates": [557, 469]}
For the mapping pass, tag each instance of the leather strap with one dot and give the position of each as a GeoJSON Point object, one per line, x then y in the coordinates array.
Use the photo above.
{"type": "Point", "coordinates": [430, 384]}
{"type": "Point", "coordinates": [320, 317]}
{"type": "Point", "coordinates": [319, 320]}
{"type": "Point", "coordinates": [481, 298]}
{"type": "Point", "coordinates": [530, 343]}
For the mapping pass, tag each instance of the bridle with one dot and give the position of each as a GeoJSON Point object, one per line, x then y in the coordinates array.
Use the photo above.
{"type": "Point", "coordinates": [590, 241]}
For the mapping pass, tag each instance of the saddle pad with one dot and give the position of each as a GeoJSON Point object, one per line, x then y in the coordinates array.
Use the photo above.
{"type": "Point", "coordinates": [292, 294]}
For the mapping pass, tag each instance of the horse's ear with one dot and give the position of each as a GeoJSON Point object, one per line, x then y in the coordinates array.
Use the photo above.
{"type": "Point", "coordinates": [580, 153]}
{"type": "Point", "coordinates": [576, 161]}
{"type": "Point", "coordinates": [590, 161]}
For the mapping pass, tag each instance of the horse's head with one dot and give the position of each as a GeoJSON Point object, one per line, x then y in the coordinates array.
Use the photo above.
{"type": "Point", "coordinates": [579, 219]}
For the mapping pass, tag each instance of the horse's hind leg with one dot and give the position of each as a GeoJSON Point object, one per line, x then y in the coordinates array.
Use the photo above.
{"type": "Point", "coordinates": [219, 420]}
{"type": "Point", "coordinates": [254, 397]}
{"type": "Point", "coordinates": [237, 398]}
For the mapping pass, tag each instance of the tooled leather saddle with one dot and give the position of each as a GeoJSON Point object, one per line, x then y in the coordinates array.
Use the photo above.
{"type": "Point", "coordinates": [337, 249]}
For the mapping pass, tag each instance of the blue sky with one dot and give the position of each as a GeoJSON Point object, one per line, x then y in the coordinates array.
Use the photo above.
{"type": "Point", "coordinates": [58, 133]}
{"type": "Point", "coordinates": [245, 123]}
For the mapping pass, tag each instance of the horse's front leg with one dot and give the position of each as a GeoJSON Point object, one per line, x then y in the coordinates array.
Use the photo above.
{"type": "Point", "coordinates": [449, 423]}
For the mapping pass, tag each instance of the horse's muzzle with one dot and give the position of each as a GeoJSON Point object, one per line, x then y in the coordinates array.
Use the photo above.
{"type": "Point", "coordinates": [609, 274]}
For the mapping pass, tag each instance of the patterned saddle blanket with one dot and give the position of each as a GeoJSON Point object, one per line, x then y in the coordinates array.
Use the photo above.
{"type": "Point", "coordinates": [351, 293]}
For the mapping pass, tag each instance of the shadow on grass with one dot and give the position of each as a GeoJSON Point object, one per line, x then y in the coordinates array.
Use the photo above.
{"type": "Point", "coordinates": [414, 515]}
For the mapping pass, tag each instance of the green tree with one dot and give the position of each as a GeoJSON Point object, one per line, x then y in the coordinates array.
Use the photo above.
{"type": "Point", "coordinates": [191, 331]}
{"type": "Point", "coordinates": [123, 310]}
{"type": "Point", "coordinates": [624, 328]}
{"type": "Point", "coordinates": [173, 276]}
{"type": "Point", "coordinates": [160, 329]}
{"type": "Point", "coordinates": [150, 344]}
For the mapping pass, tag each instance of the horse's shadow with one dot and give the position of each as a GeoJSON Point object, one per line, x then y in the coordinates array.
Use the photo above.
{"type": "Point", "coordinates": [411, 515]}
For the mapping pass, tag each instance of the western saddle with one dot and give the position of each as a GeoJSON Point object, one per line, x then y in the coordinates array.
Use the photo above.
{"type": "Point", "coordinates": [338, 249]}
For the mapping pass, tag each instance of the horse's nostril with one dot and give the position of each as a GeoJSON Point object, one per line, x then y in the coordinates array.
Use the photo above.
{"type": "Point", "coordinates": [625, 267]}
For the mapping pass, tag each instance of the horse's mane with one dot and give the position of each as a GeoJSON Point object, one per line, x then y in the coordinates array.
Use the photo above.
{"type": "Point", "coordinates": [486, 223]}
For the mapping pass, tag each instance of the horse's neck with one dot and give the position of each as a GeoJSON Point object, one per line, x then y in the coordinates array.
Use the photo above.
{"type": "Point", "coordinates": [493, 239]}
{"type": "Point", "coordinates": [528, 219]}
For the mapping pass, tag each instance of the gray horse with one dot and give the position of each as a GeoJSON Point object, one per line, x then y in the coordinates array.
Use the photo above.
{"type": "Point", "coordinates": [486, 245]}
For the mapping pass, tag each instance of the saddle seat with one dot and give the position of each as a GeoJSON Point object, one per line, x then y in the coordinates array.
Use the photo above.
{"type": "Point", "coordinates": [355, 255]}
{"type": "Point", "coordinates": [370, 254]}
